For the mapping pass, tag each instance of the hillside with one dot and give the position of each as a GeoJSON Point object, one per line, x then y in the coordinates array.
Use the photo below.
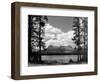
{"type": "Point", "coordinates": [60, 49]}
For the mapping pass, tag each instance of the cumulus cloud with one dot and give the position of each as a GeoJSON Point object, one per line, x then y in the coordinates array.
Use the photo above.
{"type": "Point", "coordinates": [61, 38]}
{"type": "Point", "coordinates": [51, 29]}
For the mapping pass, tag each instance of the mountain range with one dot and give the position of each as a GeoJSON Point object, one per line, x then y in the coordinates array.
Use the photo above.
{"type": "Point", "coordinates": [59, 49]}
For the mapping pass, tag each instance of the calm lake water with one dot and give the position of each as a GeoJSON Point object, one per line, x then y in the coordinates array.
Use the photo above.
{"type": "Point", "coordinates": [61, 58]}
{"type": "Point", "coordinates": [58, 60]}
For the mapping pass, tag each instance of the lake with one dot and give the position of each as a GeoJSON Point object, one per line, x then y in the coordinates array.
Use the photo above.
{"type": "Point", "coordinates": [60, 58]}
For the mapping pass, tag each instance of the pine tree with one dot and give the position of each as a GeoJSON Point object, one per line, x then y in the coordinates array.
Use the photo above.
{"type": "Point", "coordinates": [76, 38]}
{"type": "Point", "coordinates": [36, 34]}
{"type": "Point", "coordinates": [80, 35]}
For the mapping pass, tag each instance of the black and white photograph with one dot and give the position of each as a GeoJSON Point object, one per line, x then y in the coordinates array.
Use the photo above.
{"type": "Point", "coordinates": [50, 40]}
{"type": "Point", "coordinates": [57, 40]}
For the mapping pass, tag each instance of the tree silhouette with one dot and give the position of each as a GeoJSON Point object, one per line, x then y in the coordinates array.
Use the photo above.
{"type": "Point", "coordinates": [76, 37]}
{"type": "Point", "coordinates": [36, 36]}
{"type": "Point", "coordinates": [80, 34]}
{"type": "Point", "coordinates": [83, 37]}
{"type": "Point", "coordinates": [85, 29]}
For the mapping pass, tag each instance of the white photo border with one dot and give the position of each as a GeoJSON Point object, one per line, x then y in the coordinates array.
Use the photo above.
{"type": "Point", "coordinates": [39, 70]}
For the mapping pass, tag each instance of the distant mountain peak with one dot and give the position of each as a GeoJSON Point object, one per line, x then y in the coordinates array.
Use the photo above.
{"type": "Point", "coordinates": [59, 48]}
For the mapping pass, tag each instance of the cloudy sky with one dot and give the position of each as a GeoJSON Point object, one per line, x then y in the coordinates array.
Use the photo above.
{"type": "Point", "coordinates": [58, 31]}
{"type": "Point", "coordinates": [61, 22]}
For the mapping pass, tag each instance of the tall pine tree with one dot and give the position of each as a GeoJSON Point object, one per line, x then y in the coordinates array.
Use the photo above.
{"type": "Point", "coordinates": [36, 36]}
{"type": "Point", "coordinates": [76, 38]}
{"type": "Point", "coordinates": [80, 35]}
